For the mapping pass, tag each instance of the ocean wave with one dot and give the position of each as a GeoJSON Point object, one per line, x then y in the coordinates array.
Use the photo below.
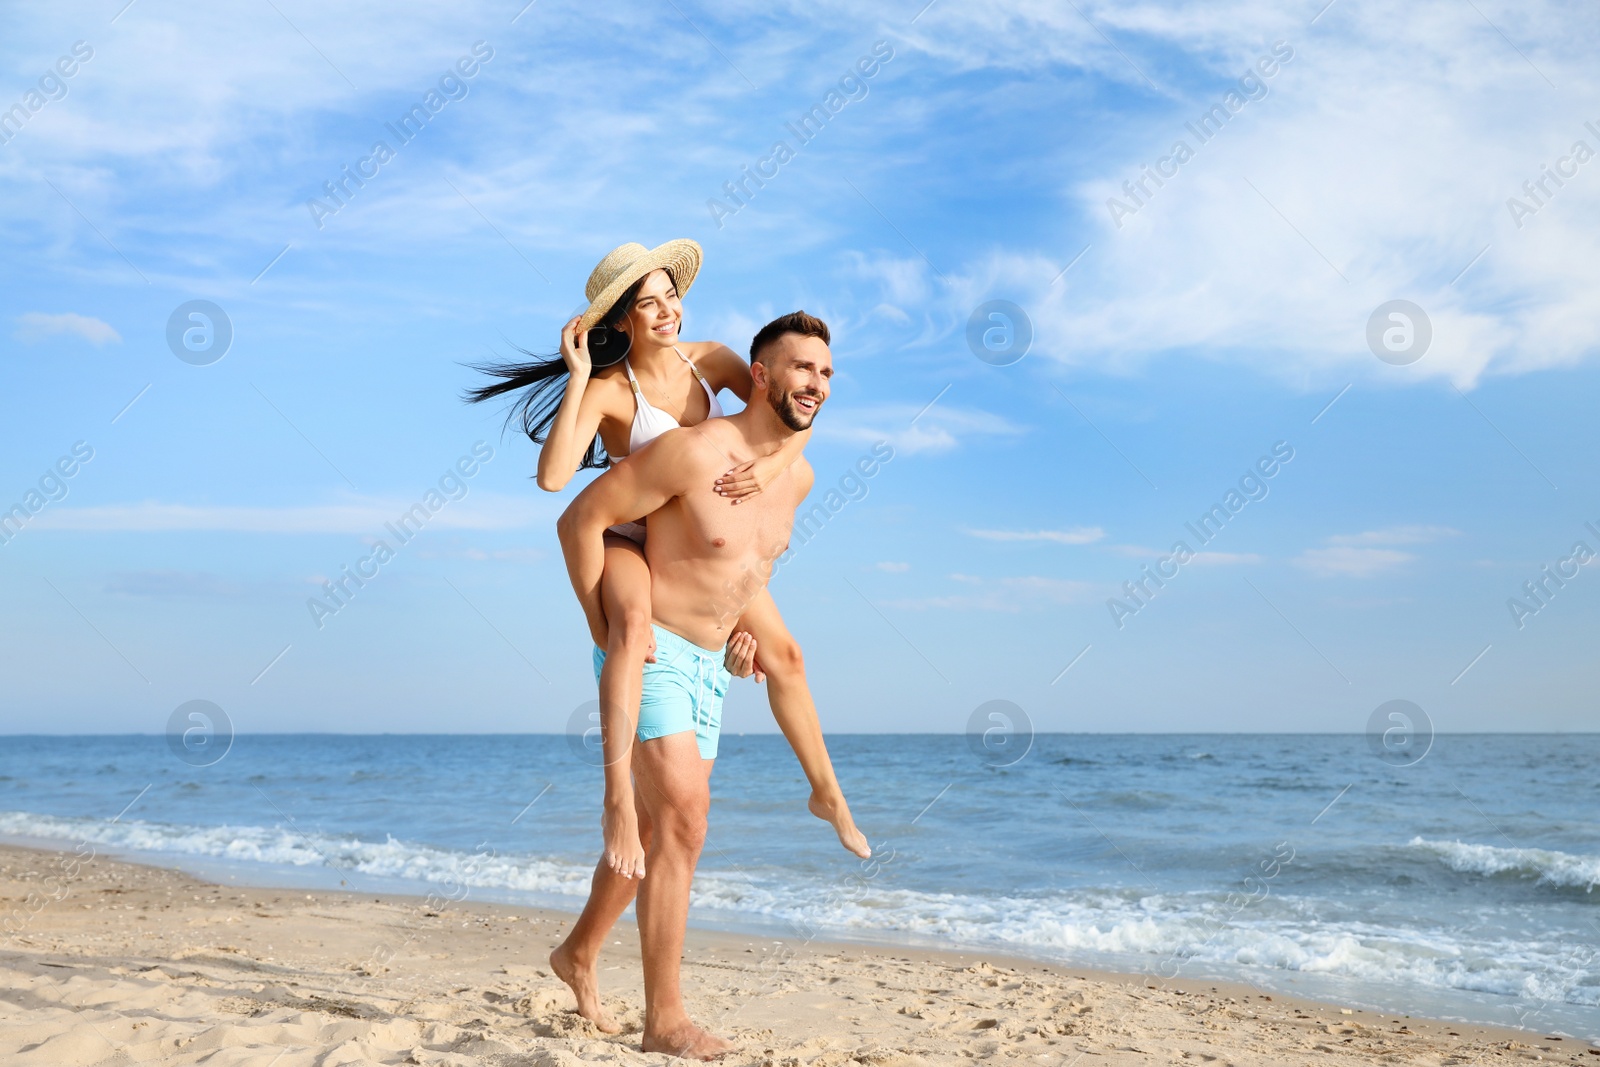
{"type": "Point", "coordinates": [286, 847]}
{"type": "Point", "coordinates": [1183, 932]}
{"type": "Point", "coordinates": [1180, 933]}
{"type": "Point", "coordinates": [1548, 867]}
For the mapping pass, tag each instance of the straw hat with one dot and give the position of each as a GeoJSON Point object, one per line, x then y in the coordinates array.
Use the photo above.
{"type": "Point", "coordinates": [626, 264]}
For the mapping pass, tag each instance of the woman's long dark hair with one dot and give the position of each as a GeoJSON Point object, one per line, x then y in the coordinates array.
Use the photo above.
{"type": "Point", "coordinates": [545, 379]}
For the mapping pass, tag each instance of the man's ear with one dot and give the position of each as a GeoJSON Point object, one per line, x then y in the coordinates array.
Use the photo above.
{"type": "Point", "coordinates": [758, 374]}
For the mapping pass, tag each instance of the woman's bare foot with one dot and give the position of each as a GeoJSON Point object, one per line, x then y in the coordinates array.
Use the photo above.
{"type": "Point", "coordinates": [687, 1040]}
{"type": "Point", "coordinates": [836, 813]}
{"type": "Point", "coordinates": [620, 827]}
{"type": "Point", "coordinates": [585, 987]}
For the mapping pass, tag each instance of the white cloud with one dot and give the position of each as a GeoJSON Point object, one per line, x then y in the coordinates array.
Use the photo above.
{"type": "Point", "coordinates": [893, 567]}
{"type": "Point", "coordinates": [1378, 166]}
{"type": "Point", "coordinates": [892, 313]}
{"type": "Point", "coordinates": [480, 555]}
{"type": "Point", "coordinates": [480, 511]}
{"type": "Point", "coordinates": [1388, 146]}
{"type": "Point", "coordinates": [37, 325]}
{"type": "Point", "coordinates": [1361, 555]}
{"type": "Point", "coordinates": [1391, 143]}
{"type": "Point", "coordinates": [162, 584]}
{"type": "Point", "coordinates": [902, 280]}
{"type": "Point", "coordinates": [1010, 594]}
{"type": "Point", "coordinates": [1224, 559]}
{"type": "Point", "coordinates": [1364, 603]}
{"type": "Point", "coordinates": [1077, 535]}
{"type": "Point", "coordinates": [1396, 535]}
{"type": "Point", "coordinates": [1209, 558]}
{"type": "Point", "coordinates": [1350, 562]}
{"type": "Point", "coordinates": [913, 428]}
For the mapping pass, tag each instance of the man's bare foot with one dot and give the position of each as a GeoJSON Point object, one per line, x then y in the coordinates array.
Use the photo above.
{"type": "Point", "coordinates": [688, 1041]}
{"type": "Point", "coordinates": [836, 813]}
{"type": "Point", "coordinates": [624, 853]}
{"type": "Point", "coordinates": [585, 987]}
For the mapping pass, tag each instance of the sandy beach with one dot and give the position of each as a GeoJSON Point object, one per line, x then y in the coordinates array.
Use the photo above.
{"type": "Point", "coordinates": [116, 963]}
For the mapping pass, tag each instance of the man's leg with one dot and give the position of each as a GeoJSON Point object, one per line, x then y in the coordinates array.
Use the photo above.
{"type": "Point", "coordinates": [625, 593]}
{"type": "Point", "coordinates": [796, 713]}
{"type": "Point", "coordinates": [575, 961]}
{"type": "Point", "coordinates": [674, 784]}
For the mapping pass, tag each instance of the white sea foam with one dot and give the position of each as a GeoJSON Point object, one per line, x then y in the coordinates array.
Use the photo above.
{"type": "Point", "coordinates": [274, 845]}
{"type": "Point", "coordinates": [1172, 931]}
{"type": "Point", "coordinates": [1548, 867]}
{"type": "Point", "coordinates": [1184, 933]}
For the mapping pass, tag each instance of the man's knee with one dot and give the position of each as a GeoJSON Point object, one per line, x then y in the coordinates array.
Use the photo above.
{"type": "Point", "coordinates": [683, 827]}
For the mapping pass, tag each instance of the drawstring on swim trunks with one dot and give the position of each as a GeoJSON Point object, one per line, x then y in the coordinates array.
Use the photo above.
{"type": "Point", "coordinates": [703, 681]}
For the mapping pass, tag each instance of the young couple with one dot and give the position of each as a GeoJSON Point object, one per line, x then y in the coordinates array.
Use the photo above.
{"type": "Point", "coordinates": [676, 603]}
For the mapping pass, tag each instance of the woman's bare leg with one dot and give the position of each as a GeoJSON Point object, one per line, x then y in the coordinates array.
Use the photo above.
{"type": "Point", "coordinates": [780, 657]}
{"type": "Point", "coordinates": [625, 592]}
{"type": "Point", "coordinates": [625, 596]}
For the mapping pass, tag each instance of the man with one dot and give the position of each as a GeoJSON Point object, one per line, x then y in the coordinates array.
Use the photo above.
{"type": "Point", "coordinates": [709, 564]}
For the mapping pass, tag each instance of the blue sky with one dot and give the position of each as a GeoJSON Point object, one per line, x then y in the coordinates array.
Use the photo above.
{"type": "Point", "coordinates": [1174, 345]}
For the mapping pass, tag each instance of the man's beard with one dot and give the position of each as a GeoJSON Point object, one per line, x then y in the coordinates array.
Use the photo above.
{"type": "Point", "coordinates": [790, 414]}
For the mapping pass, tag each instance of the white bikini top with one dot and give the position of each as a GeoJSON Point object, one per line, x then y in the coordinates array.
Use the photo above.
{"type": "Point", "coordinates": [650, 422]}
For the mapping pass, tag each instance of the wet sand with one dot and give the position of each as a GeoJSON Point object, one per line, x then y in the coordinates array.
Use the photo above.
{"type": "Point", "coordinates": [108, 963]}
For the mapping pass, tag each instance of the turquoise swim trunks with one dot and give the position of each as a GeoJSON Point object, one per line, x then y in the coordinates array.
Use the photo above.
{"type": "Point", "coordinates": [683, 691]}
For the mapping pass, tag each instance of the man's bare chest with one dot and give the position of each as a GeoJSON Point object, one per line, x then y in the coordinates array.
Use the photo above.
{"type": "Point", "coordinates": [757, 527]}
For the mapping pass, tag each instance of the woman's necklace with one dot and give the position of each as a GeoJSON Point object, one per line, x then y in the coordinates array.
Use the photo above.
{"type": "Point", "coordinates": [655, 388]}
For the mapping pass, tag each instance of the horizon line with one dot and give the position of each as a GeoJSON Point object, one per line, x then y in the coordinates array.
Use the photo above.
{"type": "Point", "coordinates": [843, 733]}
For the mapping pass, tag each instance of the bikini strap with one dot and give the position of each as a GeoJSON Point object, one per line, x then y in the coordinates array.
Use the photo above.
{"type": "Point", "coordinates": [692, 367]}
{"type": "Point", "coordinates": [631, 379]}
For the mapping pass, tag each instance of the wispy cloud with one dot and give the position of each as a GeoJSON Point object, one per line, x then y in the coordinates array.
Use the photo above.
{"type": "Point", "coordinates": [1275, 206]}
{"type": "Point", "coordinates": [364, 516]}
{"type": "Point", "coordinates": [914, 428]}
{"type": "Point", "coordinates": [1396, 535]}
{"type": "Point", "coordinates": [1224, 559]}
{"type": "Point", "coordinates": [1362, 555]}
{"type": "Point", "coordinates": [173, 584]}
{"type": "Point", "coordinates": [1352, 562]}
{"type": "Point", "coordinates": [37, 325]}
{"type": "Point", "coordinates": [1020, 593]}
{"type": "Point", "coordinates": [1077, 535]}
{"type": "Point", "coordinates": [480, 555]}
{"type": "Point", "coordinates": [1205, 557]}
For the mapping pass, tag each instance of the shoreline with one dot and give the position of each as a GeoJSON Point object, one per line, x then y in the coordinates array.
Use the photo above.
{"type": "Point", "coordinates": [165, 967]}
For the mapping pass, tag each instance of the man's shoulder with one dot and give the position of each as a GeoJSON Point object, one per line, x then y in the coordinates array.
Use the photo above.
{"type": "Point", "coordinates": [805, 476]}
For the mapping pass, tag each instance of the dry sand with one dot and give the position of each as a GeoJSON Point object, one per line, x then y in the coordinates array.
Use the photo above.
{"type": "Point", "coordinates": [110, 963]}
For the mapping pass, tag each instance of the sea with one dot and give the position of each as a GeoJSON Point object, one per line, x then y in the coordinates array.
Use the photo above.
{"type": "Point", "coordinates": [1459, 883]}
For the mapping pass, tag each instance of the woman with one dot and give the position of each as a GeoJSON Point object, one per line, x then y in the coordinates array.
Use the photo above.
{"type": "Point", "coordinates": [624, 374]}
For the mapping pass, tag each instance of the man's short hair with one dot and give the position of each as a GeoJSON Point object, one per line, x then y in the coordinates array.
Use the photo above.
{"type": "Point", "coordinates": [797, 322]}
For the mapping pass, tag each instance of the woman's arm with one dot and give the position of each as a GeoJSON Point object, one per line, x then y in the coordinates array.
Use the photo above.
{"type": "Point", "coordinates": [577, 419]}
{"type": "Point", "coordinates": [726, 369]}
{"type": "Point", "coordinates": [732, 373]}
{"type": "Point", "coordinates": [748, 479]}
